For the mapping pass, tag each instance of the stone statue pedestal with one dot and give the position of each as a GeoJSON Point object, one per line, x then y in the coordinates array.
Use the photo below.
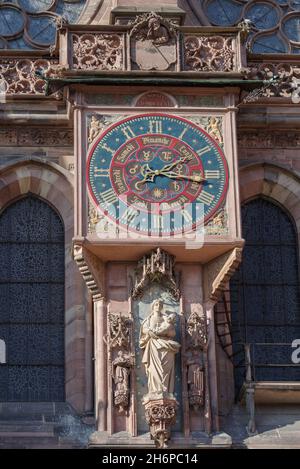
{"type": "Point", "coordinates": [160, 415]}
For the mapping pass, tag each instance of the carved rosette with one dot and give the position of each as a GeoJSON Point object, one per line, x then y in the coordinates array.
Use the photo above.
{"type": "Point", "coordinates": [158, 266]}
{"type": "Point", "coordinates": [209, 53]}
{"type": "Point", "coordinates": [160, 416]}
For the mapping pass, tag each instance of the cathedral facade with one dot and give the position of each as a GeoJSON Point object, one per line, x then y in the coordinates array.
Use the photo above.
{"type": "Point", "coordinates": [149, 224]}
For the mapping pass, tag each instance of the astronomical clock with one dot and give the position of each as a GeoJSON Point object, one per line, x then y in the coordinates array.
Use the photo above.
{"type": "Point", "coordinates": [157, 173]}
{"type": "Point", "coordinates": [157, 233]}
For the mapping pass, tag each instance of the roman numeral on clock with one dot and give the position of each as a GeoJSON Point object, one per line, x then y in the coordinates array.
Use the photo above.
{"type": "Point", "coordinates": [187, 216]}
{"type": "Point", "coordinates": [158, 221]}
{"type": "Point", "coordinates": [109, 196]}
{"type": "Point", "coordinates": [99, 172]}
{"type": "Point", "coordinates": [128, 132]}
{"type": "Point", "coordinates": [107, 148]}
{"type": "Point", "coordinates": [155, 127]}
{"type": "Point", "coordinates": [212, 174]}
{"type": "Point", "coordinates": [206, 198]}
{"type": "Point", "coordinates": [129, 215]}
{"type": "Point", "coordinates": [203, 150]}
{"type": "Point", "coordinates": [182, 133]}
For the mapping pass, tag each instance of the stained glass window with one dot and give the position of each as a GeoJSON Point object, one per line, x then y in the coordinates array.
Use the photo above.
{"type": "Point", "coordinates": [32, 302]}
{"type": "Point", "coordinates": [275, 24]}
{"type": "Point", "coordinates": [265, 294]}
{"type": "Point", "coordinates": [32, 24]}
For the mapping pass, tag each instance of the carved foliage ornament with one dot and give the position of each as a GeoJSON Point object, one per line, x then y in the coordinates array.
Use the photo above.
{"type": "Point", "coordinates": [280, 80]}
{"type": "Point", "coordinates": [158, 266]}
{"type": "Point", "coordinates": [31, 136]}
{"type": "Point", "coordinates": [160, 415]}
{"type": "Point", "coordinates": [21, 76]}
{"type": "Point", "coordinates": [197, 331]}
{"type": "Point", "coordinates": [119, 331]}
{"type": "Point", "coordinates": [209, 53]}
{"type": "Point", "coordinates": [98, 51]}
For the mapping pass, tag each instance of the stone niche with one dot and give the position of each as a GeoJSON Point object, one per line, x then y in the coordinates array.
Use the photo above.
{"type": "Point", "coordinates": [156, 370]}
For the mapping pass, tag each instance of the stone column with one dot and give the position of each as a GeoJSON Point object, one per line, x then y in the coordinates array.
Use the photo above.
{"type": "Point", "coordinates": [100, 364]}
{"type": "Point", "coordinates": [211, 407]}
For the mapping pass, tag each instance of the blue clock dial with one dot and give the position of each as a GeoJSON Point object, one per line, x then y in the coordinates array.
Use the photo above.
{"type": "Point", "coordinates": [157, 174]}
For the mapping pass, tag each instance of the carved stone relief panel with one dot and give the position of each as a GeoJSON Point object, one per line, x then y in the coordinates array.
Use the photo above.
{"type": "Point", "coordinates": [21, 76]}
{"type": "Point", "coordinates": [209, 53]}
{"type": "Point", "coordinates": [153, 43]}
{"type": "Point", "coordinates": [218, 226]}
{"type": "Point", "coordinates": [98, 51]}
{"type": "Point", "coordinates": [213, 125]}
{"type": "Point", "coordinates": [121, 358]}
{"type": "Point", "coordinates": [32, 136]}
{"type": "Point", "coordinates": [97, 123]}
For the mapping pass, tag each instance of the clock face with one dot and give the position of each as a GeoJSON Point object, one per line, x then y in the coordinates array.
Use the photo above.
{"type": "Point", "coordinates": [157, 174]}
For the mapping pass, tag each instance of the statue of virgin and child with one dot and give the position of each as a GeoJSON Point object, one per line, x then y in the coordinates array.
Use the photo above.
{"type": "Point", "coordinates": [159, 349]}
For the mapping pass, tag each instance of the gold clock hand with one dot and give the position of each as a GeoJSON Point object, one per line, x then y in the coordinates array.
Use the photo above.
{"type": "Point", "coordinates": [173, 175]}
{"type": "Point", "coordinates": [148, 174]}
{"type": "Point", "coordinates": [182, 159]}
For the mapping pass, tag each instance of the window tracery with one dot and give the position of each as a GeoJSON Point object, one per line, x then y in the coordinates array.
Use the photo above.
{"type": "Point", "coordinates": [275, 23]}
{"type": "Point", "coordinates": [32, 24]}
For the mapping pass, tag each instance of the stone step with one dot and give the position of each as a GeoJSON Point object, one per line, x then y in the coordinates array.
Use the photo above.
{"type": "Point", "coordinates": [26, 428]}
{"type": "Point", "coordinates": [28, 442]}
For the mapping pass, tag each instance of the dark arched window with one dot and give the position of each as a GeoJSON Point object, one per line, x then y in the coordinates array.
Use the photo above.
{"type": "Point", "coordinates": [265, 294]}
{"type": "Point", "coordinates": [32, 302]}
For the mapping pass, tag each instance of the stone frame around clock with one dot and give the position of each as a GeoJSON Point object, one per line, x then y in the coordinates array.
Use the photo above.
{"type": "Point", "coordinates": [219, 240]}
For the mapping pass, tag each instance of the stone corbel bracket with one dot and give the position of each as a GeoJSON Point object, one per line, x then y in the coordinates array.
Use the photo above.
{"type": "Point", "coordinates": [219, 271]}
{"type": "Point", "coordinates": [91, 269]}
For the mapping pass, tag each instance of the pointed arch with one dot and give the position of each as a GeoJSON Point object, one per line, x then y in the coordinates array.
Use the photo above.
{"type": "Point", "coordinates": [54, 185]}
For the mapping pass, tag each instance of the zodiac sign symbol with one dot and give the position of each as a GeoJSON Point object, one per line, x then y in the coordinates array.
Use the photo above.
{"type": "Point", "coordinates": [147, 155]}
{"type": "Point", "coordinates": [176, 186]}
{"type": "Point", "coordinates": [134, 169]}
{"type": "Point", "coordinates": [167, 155]}
{"type": "Point", "coordinates": [179, 169]}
